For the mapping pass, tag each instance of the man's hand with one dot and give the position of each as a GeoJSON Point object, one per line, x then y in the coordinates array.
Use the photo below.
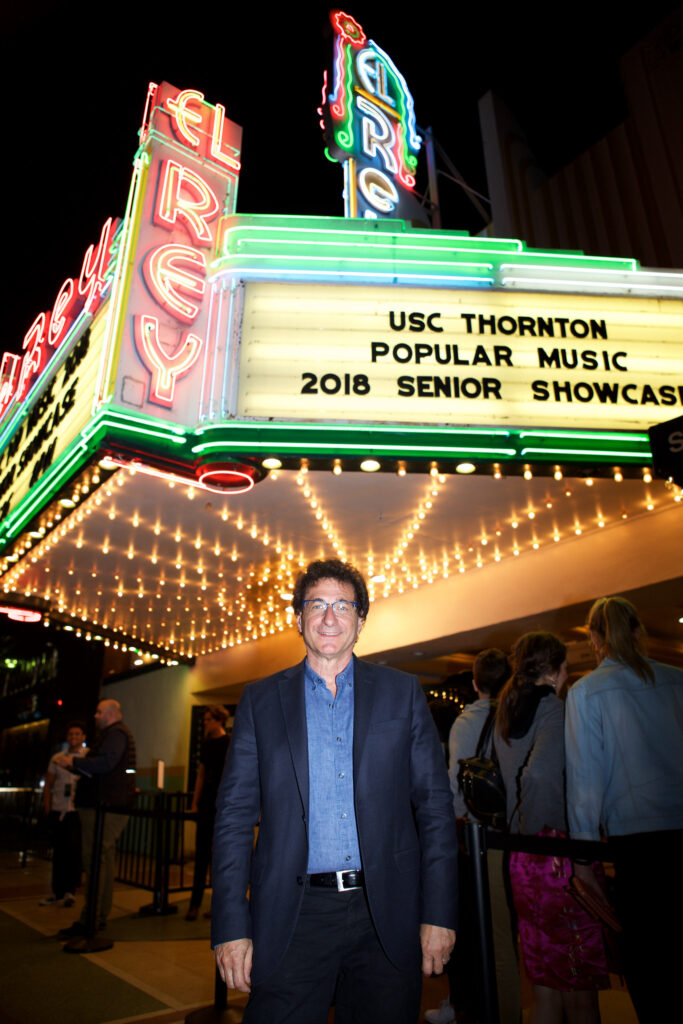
{"type": "Point", "coordinates": [65, 760]}
{"type": "Point", "coordinates": [233, 960]}
{"type": "Point", "coordinates": [437, 946]}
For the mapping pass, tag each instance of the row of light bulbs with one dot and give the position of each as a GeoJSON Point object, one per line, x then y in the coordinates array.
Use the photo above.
{"type": "Point", "coordinates": [251, 622]}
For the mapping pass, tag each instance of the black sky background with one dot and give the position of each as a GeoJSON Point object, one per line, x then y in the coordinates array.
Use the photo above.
{"type": "Point", "coordinates": [74, 79]}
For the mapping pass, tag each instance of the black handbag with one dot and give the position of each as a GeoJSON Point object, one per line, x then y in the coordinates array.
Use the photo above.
{"type": "Point", "coordinates": [481, 782]}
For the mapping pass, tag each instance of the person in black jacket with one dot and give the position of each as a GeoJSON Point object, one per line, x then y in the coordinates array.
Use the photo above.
{"type": "Point", "coordinates": [211, 762]}
{"type": "Point", "coordinates": [106, 777]}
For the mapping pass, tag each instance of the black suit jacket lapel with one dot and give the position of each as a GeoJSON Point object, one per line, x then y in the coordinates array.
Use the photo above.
{"type": "Point", "coordinates": [363, 701]}
{"type": "Point", "coordinates": [293, 703]}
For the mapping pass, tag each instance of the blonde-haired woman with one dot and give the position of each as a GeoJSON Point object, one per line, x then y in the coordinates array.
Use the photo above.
{"type": "Point", "coordinates": [624, 749]}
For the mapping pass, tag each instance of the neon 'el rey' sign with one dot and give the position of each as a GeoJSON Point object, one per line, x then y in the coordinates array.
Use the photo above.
{"type": "Point", "coordinates": [369, 122]}
{"type": "Point", "coordinates": [193, 157]}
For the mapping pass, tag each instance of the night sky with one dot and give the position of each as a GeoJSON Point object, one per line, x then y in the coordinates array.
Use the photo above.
{"type": "Point", "coordinates": [75, 78]}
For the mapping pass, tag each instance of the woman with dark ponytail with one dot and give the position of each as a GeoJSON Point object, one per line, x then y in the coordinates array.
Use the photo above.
{"type": "Point", "coordinates": [624, 736]}
{"type": "Point", "coordinates": [561, 945]}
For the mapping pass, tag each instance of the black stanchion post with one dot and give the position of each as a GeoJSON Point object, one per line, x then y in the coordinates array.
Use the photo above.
{"type": "Point", "coordinates": [220, 993]}
{"type": "Point", "coordinates": [475, 840]}
{"type": "Point", "coordinates": [92, 942]}
{"type": "Point", "coordinates": [160, 906]}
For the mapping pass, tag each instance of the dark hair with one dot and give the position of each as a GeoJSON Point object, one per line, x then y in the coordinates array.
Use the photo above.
{"type": "Point", "coordinates": [534, 655]}
{"type": "Point", "coordinates": [620, 633]}
{"type": "Point", "coordinates": [490, 670]}
{"type": "Point", "coordinates": [331, 569]}
{"type": "Point", "coordinates": [76, 725]}
{"type": "Point", "coordinates": [218, 712]}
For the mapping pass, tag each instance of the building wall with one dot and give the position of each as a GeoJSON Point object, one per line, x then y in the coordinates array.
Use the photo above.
{"type": "Point", "coordinates": [622, 196]}
{"type": "Point", "coordinates": [157, 709]}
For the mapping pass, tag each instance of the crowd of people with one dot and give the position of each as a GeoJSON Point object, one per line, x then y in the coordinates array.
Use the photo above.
{"type": "Point", "coordinates": [599, 760]}
{"type": "Point", "coordinates": [352, 886]}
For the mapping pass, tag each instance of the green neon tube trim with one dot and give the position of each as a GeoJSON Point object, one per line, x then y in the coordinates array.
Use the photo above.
{"type": "Point", "coordinates": [582, 451]}
{"type": "Point", "coordinates": [105, 422]}
{"type": "Point", "coordinates": [593, 435]}
{"type": "Point", "coordinates": [125, 417]}
{"type": "Point", "coordinates": [388, 228]}
{"type": "Point", "coordinates": [346, 446]}
{"type": "Point", "coordinates": [72, 458]}
{"type": "Point", "coordinates": [353, 428]}
{"type": "Point", "coordinates": [329, 238]}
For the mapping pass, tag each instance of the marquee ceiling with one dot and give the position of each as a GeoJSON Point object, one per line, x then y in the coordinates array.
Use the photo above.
{"type": "Point", "coordinates": [179, 572]}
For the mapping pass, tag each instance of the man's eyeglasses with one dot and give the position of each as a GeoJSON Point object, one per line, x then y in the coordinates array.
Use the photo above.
{"type": "Point", "coordinates": [314, 606]}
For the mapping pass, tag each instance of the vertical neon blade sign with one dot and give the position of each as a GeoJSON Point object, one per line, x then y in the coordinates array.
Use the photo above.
{"type": "Point", "coordinates": [185, 180]}
{"type": "Point", "coordinates": [368, 123]}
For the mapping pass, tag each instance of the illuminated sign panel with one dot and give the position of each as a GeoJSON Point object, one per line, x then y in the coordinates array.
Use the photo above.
{"type": "Point", "coordinates": [382, 354]}
{"type": "Point", "coordinates": [186, 180]}
{"type": "Point", "coordinates": [78, 297]}
{"type": "Point", "coordinates": [62, 410]}
{"type": "Point", "coordinates": [368, 122]}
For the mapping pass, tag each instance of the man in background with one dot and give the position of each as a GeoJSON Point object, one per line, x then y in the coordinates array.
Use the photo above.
{"type": "Point", "coordinates": [106, 778]}
{"type": "Point", "coordinates": [211, 760]}
{"type": "Point", "coordinates": [64, 822]}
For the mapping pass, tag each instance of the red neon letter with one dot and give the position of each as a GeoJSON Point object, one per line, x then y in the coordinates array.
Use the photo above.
{"type": "Point", "coordinates": [95, 261]}
{"type": "Point", "coordinates": [183, 118]}
{"type": "Point", "coordinates": [165, 369]}
{"type": "Point", "coordinates": [166, 279]}
{"type": "Point", "coordinates": [182, 193]}
{"type": "Point", "coordinates": [9, 374]}
{"type": "Point", "coordinates": [34, 360]}
{"type": "Point", "coordinates": [61, 319]}
{"type": "Point", "coordinates": [217, 140]}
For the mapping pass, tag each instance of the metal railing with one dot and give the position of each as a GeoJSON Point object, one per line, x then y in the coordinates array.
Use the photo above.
{"type": "Point", "coordinates": [478, 840]}
{"type": "Point", "coordinates": [151, 849]}
{"type": "Point", "coordinates": [22, 820]}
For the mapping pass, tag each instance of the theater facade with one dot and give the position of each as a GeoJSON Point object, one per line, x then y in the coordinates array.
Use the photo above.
{"type": "Point", "coordinates": [215, 398]}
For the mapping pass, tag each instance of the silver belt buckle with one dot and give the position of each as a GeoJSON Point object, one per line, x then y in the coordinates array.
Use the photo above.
{"type": "Point", "coordinates": [340, 883]}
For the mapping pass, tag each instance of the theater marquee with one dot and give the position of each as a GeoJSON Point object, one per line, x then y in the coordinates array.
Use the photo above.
{"type": "Point", "coordinates": [375, 354]}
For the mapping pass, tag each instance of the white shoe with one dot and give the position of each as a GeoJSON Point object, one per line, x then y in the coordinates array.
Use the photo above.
{"type": "Point", "coordinates": [444, 1015]}
{"type": "Point", "coordinates": [69, 899]}
{"type": "Point", "coordinates": [48, 901]}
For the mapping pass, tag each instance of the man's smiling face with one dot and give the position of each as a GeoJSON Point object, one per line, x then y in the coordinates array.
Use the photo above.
{"type": "Point", "coordinates": [329, 636]}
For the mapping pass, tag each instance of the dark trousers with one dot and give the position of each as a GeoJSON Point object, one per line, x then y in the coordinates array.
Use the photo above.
{"type": "Point", "coordinates": [202, 856]}
{"type": "Point", "coordinates": [335, 956]}
{"type": "Point", "coordinates": [648, 893]}
{"type": "Point", "coordinates": [66, 852]}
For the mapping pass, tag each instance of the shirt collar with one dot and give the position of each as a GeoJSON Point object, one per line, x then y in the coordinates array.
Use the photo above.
{"type": "Point", "coordinates": [345, 677]}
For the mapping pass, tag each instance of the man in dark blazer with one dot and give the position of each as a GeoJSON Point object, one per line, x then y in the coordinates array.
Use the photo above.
{"type": "Point", "coordinates": [353, 881]}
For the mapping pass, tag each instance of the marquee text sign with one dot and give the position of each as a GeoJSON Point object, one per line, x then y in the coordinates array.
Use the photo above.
{"type": "Point", "coordinates": [463, 357]}
{"type": "Point", "coordinates": [62, 410]}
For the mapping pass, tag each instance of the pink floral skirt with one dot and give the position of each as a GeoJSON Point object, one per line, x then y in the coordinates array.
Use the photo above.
{"type": "Point", "coordinates": [562, 945]}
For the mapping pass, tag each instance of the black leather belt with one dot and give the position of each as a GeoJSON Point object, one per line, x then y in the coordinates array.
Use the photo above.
{"type": "Point", "coordinates": [339, 880]}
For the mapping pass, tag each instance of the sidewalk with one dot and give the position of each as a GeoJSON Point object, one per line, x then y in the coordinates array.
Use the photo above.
{"type": "Point", "coordinates": [158, 971]}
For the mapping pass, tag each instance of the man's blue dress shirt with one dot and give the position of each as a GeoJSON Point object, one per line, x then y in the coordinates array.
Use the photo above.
{"type": "Point", "coordinates": [332, 831]}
